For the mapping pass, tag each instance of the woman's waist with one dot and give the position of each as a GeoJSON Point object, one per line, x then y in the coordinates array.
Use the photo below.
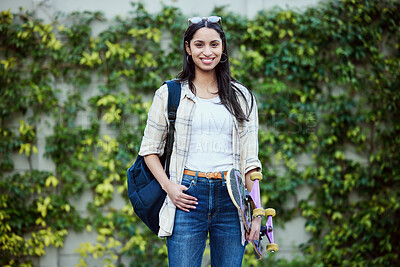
{"type": "Point", "coordinates": [213, 175]}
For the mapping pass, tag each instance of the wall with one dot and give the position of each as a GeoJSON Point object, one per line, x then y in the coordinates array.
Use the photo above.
{"type": "Point", "coordinates": [47, 8]}
{"type": "Point", "coordinates": [288, 238]}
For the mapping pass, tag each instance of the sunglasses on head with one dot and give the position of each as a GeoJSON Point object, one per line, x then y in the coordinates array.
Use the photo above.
{"type": "Point", "coordinates": [212, 19]}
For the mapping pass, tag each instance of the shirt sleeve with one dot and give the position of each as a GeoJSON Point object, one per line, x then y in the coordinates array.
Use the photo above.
{"type": "Point", "coordinates": [252, 161]}
{"type": "Point", "coordinates": [155, 133]}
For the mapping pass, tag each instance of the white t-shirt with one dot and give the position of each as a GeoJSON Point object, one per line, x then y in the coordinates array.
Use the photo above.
{"type": "Point", "coordinates": [210, 146]}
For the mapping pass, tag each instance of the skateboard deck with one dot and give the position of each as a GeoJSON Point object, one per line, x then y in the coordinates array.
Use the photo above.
{"type": "Point", "coordinates": [243, 201]}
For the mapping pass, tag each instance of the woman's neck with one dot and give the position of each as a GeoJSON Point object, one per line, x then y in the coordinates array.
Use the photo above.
{"type": "Point", "coordinates": [206, 85]}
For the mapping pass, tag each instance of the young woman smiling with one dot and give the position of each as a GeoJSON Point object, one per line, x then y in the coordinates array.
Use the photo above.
{"type": "Point", "coordinates": [216, 129]}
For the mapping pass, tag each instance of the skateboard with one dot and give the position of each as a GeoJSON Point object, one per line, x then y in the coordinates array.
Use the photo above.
{"type": "Point", "coordinates": [249, 205]}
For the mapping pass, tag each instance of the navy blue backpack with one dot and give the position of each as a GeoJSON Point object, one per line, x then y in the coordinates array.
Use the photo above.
{"type": "Point", "coordinates": [145, 193]}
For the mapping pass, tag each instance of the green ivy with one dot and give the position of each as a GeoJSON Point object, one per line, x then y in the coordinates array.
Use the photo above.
{"type": "Point", "coordinates": [326, 81]}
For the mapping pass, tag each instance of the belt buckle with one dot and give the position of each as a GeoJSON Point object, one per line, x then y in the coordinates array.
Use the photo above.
{"type": "Point", "coordinates": [213, 175]}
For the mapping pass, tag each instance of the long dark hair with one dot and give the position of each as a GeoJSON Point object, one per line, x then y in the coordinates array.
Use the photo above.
{"type": "Point", "coordinates": [227, 90]}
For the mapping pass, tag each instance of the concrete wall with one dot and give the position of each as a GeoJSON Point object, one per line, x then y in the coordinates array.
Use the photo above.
{"type": "Point", "coordinates": [288, 238]}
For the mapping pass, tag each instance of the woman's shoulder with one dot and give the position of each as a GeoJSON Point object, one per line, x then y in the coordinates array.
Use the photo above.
{"type": "Point", "coordinates": [161, 94]}
{"type": "Point", "coordinates": [243, 89]}
{"type": "Point", "coordinates": [162, 90]}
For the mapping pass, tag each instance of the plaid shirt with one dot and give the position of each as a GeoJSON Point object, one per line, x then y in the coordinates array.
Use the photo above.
{"type": "Point", "coordinates": [245, 142]}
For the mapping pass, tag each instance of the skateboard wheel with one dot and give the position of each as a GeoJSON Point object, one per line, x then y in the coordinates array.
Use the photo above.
{"type": "Point", "coordinates": [270, 212]}
{"type": "Point", "coordinates": [256, 176]}
{"type": "Point", "coordinates": [272, 247]}
{"type": "Point", "coordinates": [258, 211]}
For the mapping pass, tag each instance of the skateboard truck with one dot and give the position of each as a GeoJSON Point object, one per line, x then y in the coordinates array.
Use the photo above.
{"type": "Point", "coordinates": [268, 230]}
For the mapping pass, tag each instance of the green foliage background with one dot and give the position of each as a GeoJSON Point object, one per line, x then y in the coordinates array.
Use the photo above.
{"type": "Point", "coordinates": [326, 80]}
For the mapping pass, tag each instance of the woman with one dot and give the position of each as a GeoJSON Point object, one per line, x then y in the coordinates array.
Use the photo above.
{"type": "Point", "coordinates": [216, 129]}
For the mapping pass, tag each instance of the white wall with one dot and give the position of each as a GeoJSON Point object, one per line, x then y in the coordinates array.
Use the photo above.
{"type": "Point", "coordinates": [111, 8]}
{"type": "Point", "coordinates": [288, 238]}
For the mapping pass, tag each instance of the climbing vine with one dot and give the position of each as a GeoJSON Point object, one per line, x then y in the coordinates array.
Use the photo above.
{"type": "Point", "coordinates": [326, 81]}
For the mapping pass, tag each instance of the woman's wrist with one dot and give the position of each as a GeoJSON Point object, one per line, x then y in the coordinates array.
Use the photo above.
{"type": "Point", "coordinates": [165, 185]}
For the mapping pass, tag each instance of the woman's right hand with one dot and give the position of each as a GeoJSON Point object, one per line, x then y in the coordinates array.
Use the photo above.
{"type": "Point", "coordinates": [179, 198]}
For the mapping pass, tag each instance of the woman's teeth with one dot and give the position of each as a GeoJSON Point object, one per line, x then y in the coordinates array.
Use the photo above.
{"type": "Point", "coordinates": [207, 60]}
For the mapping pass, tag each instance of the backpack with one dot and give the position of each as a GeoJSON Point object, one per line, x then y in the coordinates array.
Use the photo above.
{"type": "Point", "coordinates": [145, 193]}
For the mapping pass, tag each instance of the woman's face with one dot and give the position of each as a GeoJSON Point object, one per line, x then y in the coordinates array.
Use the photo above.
{"type": "Point", "coordinates": [205, 48]}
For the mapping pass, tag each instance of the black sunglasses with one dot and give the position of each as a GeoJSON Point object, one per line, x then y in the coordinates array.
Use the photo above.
{"type": "Point", "coordinates": [212, 19]}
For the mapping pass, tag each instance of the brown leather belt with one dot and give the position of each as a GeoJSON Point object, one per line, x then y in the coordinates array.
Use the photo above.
{"type": "Point", "coordinates": [209, 175]}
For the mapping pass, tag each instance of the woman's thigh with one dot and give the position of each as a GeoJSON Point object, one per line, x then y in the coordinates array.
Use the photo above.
{"type": "Point", "coordinates": [187, 243]}
{"type": "Point", "coordinates": [225, 232]}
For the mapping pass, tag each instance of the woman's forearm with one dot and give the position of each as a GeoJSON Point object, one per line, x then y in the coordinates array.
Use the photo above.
{"type": "Point", "coordinates": [249, 183]}
{"type": "Point", "coordinates": [154, 165]}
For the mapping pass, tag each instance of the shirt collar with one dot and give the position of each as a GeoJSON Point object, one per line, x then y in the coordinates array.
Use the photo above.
{"type": "Point", "coordinates": [186, 92]}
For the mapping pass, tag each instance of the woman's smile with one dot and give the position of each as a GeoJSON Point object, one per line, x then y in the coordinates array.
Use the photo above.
{"type": "Point", "coordinates": [207, 60]}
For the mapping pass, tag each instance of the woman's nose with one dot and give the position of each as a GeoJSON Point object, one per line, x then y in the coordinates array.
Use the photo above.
{"type": "Point", "coordinates": [207, 51]}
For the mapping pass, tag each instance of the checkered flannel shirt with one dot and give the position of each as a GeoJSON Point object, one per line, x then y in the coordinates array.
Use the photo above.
{"type": "Point", "coordinates": [245, 142]}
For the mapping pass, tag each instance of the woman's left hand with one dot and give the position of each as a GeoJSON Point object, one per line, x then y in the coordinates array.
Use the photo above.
{"type": "Point", "coordinates": [254, 230]}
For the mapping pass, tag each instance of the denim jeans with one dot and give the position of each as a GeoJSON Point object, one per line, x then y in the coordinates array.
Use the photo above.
{"type": "Point", "coordinates": [215, 214]}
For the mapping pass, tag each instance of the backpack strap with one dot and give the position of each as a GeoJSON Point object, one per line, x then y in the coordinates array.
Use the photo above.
{"type": "Point", "coordinates": [174, 96]}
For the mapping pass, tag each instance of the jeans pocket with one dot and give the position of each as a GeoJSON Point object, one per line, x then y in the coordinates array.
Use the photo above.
{"type": "Point", "coordinates": [189, 184]}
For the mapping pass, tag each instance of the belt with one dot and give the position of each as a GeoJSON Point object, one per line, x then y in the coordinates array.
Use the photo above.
{"type": "Point", "coordinates": [210, 175]}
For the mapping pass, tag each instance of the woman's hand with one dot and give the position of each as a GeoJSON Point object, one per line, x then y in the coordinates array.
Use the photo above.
{"type": "Point", "coordinates": [254, 230]}
{"type": "Point", "coordinates": [179, 198]}
{"type": "Point", "coordinates": [175, 191]}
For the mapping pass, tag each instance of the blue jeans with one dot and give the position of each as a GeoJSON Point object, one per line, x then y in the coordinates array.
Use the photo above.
{"type": "Point", "coordinates": [215, 214]}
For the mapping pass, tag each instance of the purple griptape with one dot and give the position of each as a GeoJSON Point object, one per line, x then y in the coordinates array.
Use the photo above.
{"type": "Point", "coordinates": [255, 194]}
{"type": "Point", "coordinates": [270, 230]}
